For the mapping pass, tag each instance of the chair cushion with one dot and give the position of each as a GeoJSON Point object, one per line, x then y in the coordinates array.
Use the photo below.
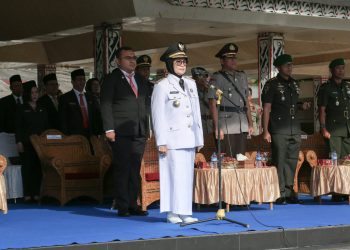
{"type": "Point", "coordinates": [81, 176]}
{"type": "Point", "coordinates": [152, 176]}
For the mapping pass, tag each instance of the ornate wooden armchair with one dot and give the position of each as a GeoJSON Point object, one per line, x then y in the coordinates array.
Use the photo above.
{"type": "Point", "coordinates": [150, 189]}
{"type": "Point", "coordinates": [3, 199]}
{"type": "Point", "coordinates": [313, 147]}
{"type": "Point", "coordinates": [69, 170]}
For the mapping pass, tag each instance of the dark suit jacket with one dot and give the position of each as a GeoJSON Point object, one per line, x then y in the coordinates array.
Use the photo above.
{"type": "Point", "coordinates": [52, 113]}
{"type": "Point", "coordinates": [8, 109]}
{"type": "Point", "coordinates": [120, 108]}
{"type": "Point", "coordinates": [29, 122]}
{"type": "Point", "coordinates": [71, 118]}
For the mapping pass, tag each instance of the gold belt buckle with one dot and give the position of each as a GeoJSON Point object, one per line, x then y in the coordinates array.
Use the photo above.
{"type": "Point", "coordinates": [292, 111]}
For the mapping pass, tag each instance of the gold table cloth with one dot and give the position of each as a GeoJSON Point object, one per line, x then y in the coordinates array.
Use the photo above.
{"type": "Point", "coordinates": [257, 184]}
{"type": "Point", "coordinates": [327, 179]}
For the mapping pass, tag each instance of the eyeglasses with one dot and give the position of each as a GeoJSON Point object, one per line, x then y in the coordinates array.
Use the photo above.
{"type": "Point", "coordinates": [181, 62]}
{"type": "Point", "coordinates": [130, 58]}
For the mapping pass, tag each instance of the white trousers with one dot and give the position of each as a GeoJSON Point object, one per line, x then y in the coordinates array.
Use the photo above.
{"type": "Point", "coordinates": [176, 181]}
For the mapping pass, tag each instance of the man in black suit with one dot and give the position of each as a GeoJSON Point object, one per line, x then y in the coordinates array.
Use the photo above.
{"type": "Point", "coordinates": [123, 96]}
{"type": "Point", "coordinates": [49, 101]}
{"type": "Point", "coordinates": [9, 105]}
{"type": "Point", "coordinates": [79, 113]}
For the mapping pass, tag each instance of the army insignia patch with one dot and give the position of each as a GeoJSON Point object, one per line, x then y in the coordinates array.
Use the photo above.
{"type": "Point", "coordinates": [145, 59]}
{"type": "Point", "coordinates": [181, 46]}
{"type": "Point", "coordinates": [231, 47]}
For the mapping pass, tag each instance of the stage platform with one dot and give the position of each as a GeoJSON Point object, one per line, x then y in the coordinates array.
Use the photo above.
{"type": "Point", "coordinates": [92, 227]}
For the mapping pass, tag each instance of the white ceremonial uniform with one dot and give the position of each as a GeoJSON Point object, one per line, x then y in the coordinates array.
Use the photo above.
{"type": "Point", "coordinates": [177, 124]}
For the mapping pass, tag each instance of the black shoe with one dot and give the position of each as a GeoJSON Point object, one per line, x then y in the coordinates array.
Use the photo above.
{"type": "Point", "coordinates": [294, 200]}
{"type": "Point", "coordinates": [281, 201]}
{"type": "Point", "coordinates": [138, 212]}
{"type": "Point", "coordinates": [337, 198]}
{"type": "Point", "coordinates": [122, 213]}
{"type": "Point", "coordinates": [114, 205]}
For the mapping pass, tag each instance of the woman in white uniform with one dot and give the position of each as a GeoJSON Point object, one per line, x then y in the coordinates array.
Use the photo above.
{"type": "Point", "coordinates": [178, 131]}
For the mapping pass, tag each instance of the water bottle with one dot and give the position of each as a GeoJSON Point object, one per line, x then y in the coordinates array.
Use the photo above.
{"type": "Point", "coordinates": [213, 161]}
{"type": "Point", "coordinates": [258, 160]}
{"type": "Point", "coordinates": [334, 157]}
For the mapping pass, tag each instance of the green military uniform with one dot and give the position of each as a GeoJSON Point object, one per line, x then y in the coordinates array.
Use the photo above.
{"type": "Point", "coordinates": [284, 127]}
{"type": "Point", "coordinates": [336, 99]}
{"type": "Point", "coordinates": [233, 112]}
{"type": "Point", "coordinates": [207, 121]}
{"type": "Point", "coordinates": [144, 61]}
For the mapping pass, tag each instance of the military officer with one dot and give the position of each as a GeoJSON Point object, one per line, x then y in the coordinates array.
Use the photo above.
{"type": "Point", "coordinates": [281, 126]}
{"type": "Point", "coordinates": [178, 132]}
{"type": "Point", "coordinates": [201, 76]}
{"type": "Point", "coordinates": [235, 119]}
{"type": "Point", "coordinates": [334, 107]}
{"type": "Point", "coordinates": [143, 68]}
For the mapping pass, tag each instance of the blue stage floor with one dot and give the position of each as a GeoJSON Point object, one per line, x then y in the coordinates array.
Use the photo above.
{"type": "Point", "coordinates": [37, 226]}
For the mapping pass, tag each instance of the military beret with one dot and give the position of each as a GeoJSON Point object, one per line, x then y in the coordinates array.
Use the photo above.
{"type": "Point", "coordinates": [15, 78]}
{"type": "Point", "coordinates": [229, 50]}
{"type": "Point", "coordinates": [49, 77]}
{"type": "Point", "coordinates": [175, 50]}
{"type": "Point", "coordinates": [77, 72]}
{"type": "Point", "coordinates": [27, 86]}
{"type": "Point", "coordinates": [144, 61]}
{"type": "Point", "coordinates": [336, 62]}
{"type": "Point", "coordinates": [282, 59]}
{"type": "Point", "coordinates": [199, 71]}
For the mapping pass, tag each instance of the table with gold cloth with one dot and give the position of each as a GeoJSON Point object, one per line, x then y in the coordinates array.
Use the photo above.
{"type": "Point", "coordinates": [257, 184]}
{"type": "Point", "coordinates": [327, 179]}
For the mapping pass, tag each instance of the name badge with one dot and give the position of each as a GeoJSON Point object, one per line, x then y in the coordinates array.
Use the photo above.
{"type": "Point", "coordinates": [174, 92]}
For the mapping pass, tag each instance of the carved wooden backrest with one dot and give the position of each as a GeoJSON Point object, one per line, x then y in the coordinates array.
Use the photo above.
{"type": "Point", "coordinates": [100, 146]}
{"type": "Point", "coordinates": [316, 143]}
{"type": "Point", "coordinates": [53, 143]}
{"type": "Point", "coordinates": [209, 146]}
{"type": "Point", "coordinates": [151, 151]}
{"type": "Point", "coordinates": [257, 143]}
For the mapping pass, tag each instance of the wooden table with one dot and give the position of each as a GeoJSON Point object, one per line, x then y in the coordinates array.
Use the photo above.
{"type": "Point", "coordinates": [328, 179]}
{"type": "Point", "coordinates": [255, 184]}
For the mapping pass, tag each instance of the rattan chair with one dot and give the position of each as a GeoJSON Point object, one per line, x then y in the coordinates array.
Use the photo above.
{"type": "Point", "coordinates": [69, 169]}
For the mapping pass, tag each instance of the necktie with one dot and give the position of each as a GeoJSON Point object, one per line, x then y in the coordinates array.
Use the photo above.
{"type": "Point", "coordinates": [84, 111]}
{"type": "Point", "coordinates": [55, 101]}
{"type": "Point", "coordinates": [133, 85]}
{"type": "Point", "coordinates": [182, 84]}
{"type": "Point", "coordinates": [18, 101]}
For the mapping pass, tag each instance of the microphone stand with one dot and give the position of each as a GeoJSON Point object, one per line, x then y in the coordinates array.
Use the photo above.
{"type": "Point", "coordinates": [220, 214]}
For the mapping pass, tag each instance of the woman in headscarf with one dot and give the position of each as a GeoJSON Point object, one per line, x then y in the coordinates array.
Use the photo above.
{"type": "Point", "coordinates": [178, 131]}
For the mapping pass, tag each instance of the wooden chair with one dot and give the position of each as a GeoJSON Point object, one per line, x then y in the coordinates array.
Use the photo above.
{"type": "Point", "coordinates": [150, 188]}
{"type": "Point", "coordinates": [313, 147]}
{"type": "Point", "coordinates": [69, 170]}
{"type": "Point", "coordinates": [3, 199]}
